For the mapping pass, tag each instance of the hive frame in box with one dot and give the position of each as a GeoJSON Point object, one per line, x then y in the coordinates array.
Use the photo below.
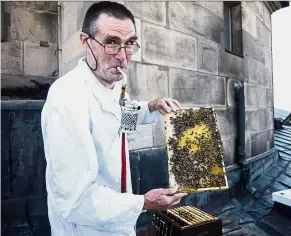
{"type": "Point", "coordinates": [169, 133]}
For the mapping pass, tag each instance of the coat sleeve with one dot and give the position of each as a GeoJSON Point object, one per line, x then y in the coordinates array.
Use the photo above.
{"type": "Point", "coordinates": [72, 183]}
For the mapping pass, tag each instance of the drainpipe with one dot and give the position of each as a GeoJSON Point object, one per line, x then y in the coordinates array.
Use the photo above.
{"type": "Point", "coordinates": [60, 38]}
{"type": "Point", "coordinates": [241, 137]}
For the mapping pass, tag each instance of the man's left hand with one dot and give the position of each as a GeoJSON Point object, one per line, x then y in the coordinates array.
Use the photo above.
{"type": "Point", "coordinates": [164, 105]}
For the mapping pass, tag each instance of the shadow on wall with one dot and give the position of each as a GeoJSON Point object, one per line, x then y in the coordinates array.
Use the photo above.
{"type": "Point", "coordinates": [38, 92]}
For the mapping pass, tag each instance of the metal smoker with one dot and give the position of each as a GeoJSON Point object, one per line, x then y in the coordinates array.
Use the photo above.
{"type": "Point", "coordinates": [129, 109]}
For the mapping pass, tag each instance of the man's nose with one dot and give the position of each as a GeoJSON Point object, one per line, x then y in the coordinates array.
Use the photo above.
{"type": "Point", "coordinates": [121, 55]}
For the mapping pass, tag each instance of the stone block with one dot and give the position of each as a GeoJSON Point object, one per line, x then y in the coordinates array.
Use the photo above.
{"type": "Point", "coordinates": [66, 67]}
{"type": "Point", "coordinates": [159, 133]}
{"type": "Point", "coordinates": [27, 154]}
{"type": "Point", "coordinates": [255, 165]}
{"type": "Point", "coordinates": [274, 171]}
{"type": "Point", "coordinates": [249, 22]}
{"type": "Point", "coordinates": [229, 150]}
{"type": "Point", "coordinates": [12, 57]}
{"type": "Point", "coordinates": [82, 8]}
{"type": "Point", "coordinates": [259, 120]}
{"type": "Point", "coordinates": [253, 49]}
{"type": "Point", "coordinates": [69, 23]}
{"type": "Point", "coordinates": [216, 7]}
{"type": "Point", "coordinates": [208, 57]}
{"type": "Point", "coordinates": [40, 61]}
{"type": "Point", "coordinates": [261, 142]}
{"type": "Point", "coordinates": [72, 48]}
{"type": "Point", "coordinates": [248, 145]}
{"type": "Point", "coordinates": [137, 55]}
{"type": "Point", "coordinates": [255, 96]}
{"type": "Point", "coordinates": [37, 205]}
{"type": "Point", "coordinates": [256, 7]}
{"type": "Point", "coordinates": [267, 18]}
{"type": "Point", "coordinates": [262, 183]}
{"type": "Point", "coordinates": [165, 47]}
{"type": "Point", "coordinates": [5, 154]}
{"type": "Point", "coordinates": [147, 82]}
{"type": "Point", "coordinates": [197, 88]}
{"type": "Point", "coordinates": [226, 119]}
{"type": "Point", "coordinates": [264, 34]}
{"type": "Point", "coordinates": [32, 25]}
{"type": "Point", "coordinates": [230, 65]}
{"type": "Point", "coordinates": [192, 19]}
{"type": "Point", "coordinates": [257, 173]}
{"type": "Point", "coordinates": [230, 92]}
{"type": "Point", "coordinates": [13, 212]}
{"type": "Point", "coordinates": [48, 6]}
{"type": "Point", "coordinates": [153, 167]}
{"type": "Point", "coordinates": [153, 12]}
{"type": "Point", "coordinates": [143, 138]}
{"type": "Point", "coordinates": [258, 73]}
{"type": "Point", "coordinates": [284, 179]}
{"type": "Point", "coordinates": [268, 164]}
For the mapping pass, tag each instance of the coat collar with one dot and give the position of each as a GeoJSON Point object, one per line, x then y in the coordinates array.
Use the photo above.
{"type": "Point", "coordinates": [108, 99]}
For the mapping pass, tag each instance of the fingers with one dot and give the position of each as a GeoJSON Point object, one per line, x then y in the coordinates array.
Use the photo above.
{"type": "Point", "coordinates": [166, 105]}
{"type": "Point", "coordinates": [171, 191]}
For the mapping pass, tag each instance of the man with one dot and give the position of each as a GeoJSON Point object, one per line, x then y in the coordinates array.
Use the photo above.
{"type": "Point", "coordinates": [80, 123]}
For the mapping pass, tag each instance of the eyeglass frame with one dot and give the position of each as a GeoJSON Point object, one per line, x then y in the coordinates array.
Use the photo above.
{"type": "Point", "coordinates": [104, 45]}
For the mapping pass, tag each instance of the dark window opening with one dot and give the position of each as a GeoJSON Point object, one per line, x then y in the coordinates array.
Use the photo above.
{"type": "Point", "coordinates": [233, 27]}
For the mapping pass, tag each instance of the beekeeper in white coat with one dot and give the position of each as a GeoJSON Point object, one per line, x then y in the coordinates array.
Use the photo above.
{"type": "Point", "coordinates": [80, 122]}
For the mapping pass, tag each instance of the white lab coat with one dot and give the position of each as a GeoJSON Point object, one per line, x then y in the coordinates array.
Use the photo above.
{"type": "Point", "coordinates": [80, 122]}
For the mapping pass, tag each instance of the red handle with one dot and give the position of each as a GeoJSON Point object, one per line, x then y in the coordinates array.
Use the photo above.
{"type": "Point", "coordinates": [123, 164]}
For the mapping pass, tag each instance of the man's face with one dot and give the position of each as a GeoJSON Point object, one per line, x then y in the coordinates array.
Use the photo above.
{"type": "Point", "coordinates": [111, 31]}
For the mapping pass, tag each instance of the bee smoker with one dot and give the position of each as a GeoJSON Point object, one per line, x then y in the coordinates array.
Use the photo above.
{"type": "Point", "coordinates": [129, 109]}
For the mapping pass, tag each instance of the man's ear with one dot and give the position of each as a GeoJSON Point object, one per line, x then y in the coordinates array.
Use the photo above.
{"type": "Point", "coordinates": [83, 38]}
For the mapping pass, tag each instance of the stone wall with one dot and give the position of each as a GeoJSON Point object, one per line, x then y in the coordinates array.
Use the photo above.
{"type": "Point", "coordinates": [29, 50]}
{"type": "Point", "coordinates": [183, 56]}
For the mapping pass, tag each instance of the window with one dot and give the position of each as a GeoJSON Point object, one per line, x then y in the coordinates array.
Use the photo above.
{"type": "Point", "coordinates": [233, 27]}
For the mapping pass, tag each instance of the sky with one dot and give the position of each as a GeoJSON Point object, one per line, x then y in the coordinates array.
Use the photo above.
{"type": "Point", "coordinates": [281, 46]}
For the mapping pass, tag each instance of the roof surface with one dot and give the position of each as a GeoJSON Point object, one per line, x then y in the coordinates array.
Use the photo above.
{"type": "Point", "coordinates": [245, 214]}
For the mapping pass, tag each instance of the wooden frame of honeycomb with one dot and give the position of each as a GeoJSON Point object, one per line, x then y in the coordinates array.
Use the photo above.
{"type": "Point", "coordinates": [195, 150]}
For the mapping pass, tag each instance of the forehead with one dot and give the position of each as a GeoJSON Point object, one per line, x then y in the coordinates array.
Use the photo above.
{"type": "Point", "coordinates": [108, 25]}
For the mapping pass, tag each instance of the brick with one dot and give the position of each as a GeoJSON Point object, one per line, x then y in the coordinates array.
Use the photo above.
{"type": "Point", "coordinates": [32, 25]}
{"type": "Point", "coordinates": [69, 23]}
{"type": "Point", "coordinates": [165, 47]}
{"type": "Point", "coordinates": [153, 12]}
{"type": "Point", "coordinates": [143, 138]}
{"type": "Point", "coordinates": [230, 65]}
{"type": "Point", "coordinates": [72, 48]}
{"type": "Point", "coordinates": [216, 7]}
{"type": "Point", "coordinates": [226, 119]}
{"type": "Point", "coordinates": [12, 57]}
{"type": "Point", "coordinates": [255, 96]}
{"type": "Point", "coordinates": [191, 18]}
{"type": "Point", "coordinates": [264, 34]}
{"type": "Point", "coordinates": [208, 57]}
{"type": "Point", "coordinates": [147, 82]}
{"type": "Point", "coordinates": [230, 92]}
{"type": "Point", "coordinates": [185, 86]}
{"type": "Point", "coordinates": [137, 55]}
{"type": "Point", "coordinates": [229, 150]}
{"type": "Point", "coordinates": [249, 22]}
{"type": "Point", "coordinates": [39, 61]}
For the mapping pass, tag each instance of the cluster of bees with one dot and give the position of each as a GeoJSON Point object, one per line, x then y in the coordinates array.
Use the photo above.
{"type": "Point", "coordinates": [196, 149]}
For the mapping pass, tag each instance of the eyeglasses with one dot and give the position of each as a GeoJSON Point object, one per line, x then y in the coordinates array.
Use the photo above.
{"type": "Point", "coordinates": [113, 48]}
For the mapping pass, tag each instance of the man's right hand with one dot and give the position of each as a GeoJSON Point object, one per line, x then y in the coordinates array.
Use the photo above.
{"type": "Point", "coordinates": [162, 199]}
